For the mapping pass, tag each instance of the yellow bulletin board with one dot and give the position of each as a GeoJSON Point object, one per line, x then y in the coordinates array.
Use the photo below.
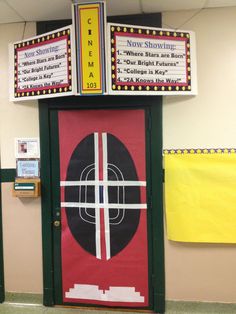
{"type": "Point", "coordinates": [200, 195]}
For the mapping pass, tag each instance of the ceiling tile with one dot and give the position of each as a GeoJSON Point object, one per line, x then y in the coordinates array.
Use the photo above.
{"type": "Point", "coordinates": [220, 3]}
{"type": "Point", "coordinates": [123, 7]}
{"type": "Point", "coordinates": [7, 14]}
{"type": "Point", "coordinates": [171, 5]}
{"type": "Point", "coordinates": [42, 10]}
{"type": "Point", "coordinates": [39, 10]}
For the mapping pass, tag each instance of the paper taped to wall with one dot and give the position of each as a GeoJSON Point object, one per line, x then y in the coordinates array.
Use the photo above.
{"type": "Point", "coordinates": [200, 195]}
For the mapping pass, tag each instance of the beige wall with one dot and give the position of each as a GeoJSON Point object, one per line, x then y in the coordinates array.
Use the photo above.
{"type": "Point", "coordinates": [193, 271]}
{"type": "Point", "coordinates": [22, 242]}
{"type": "Point", "coordinates": [21, 218]}
{"type": "Point", "coordinates": [16, 119]}
{"type": "Point", "coordinates": [204, 272]}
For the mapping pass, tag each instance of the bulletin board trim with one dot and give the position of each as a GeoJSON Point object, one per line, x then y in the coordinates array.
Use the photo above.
{"type": "Point", "coordinates": [147, 33]}
{"type": "Point", "coordinates": [199, 151]}
{"type": "Point", "coordinates": [37, 92]}
{"type": "Point", "coordinates": [128, 62]}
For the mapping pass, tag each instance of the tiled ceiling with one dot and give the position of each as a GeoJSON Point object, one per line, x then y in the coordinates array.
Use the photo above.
{"type": "Point", "coordinates": [38, 10]}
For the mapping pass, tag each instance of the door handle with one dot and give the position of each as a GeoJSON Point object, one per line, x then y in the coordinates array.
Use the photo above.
{"type": "Point", "coordinates": [57, 223]}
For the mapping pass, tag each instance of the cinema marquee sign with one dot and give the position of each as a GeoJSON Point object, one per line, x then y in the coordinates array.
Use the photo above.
{"type": "Point", "coordinates": [90, 24]}
{"type": "Point", "coordinates": [42, 66]}
{"type": "Point", "coordinates": [92, 57]}
{"type": "Point", "coordinates": [147, 60]}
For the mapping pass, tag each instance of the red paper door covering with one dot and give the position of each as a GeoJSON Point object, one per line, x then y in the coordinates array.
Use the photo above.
{"type": "Point", "coordinates": [129, 267]}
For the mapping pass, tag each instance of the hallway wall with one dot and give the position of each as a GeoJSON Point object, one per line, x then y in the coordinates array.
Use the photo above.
{"type": "Point", "coordinates": [21, 217]}
{"type": "Point", "coordinates": [204, 272]}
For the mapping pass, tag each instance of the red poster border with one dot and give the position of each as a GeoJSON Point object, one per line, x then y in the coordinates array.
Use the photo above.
{"type": "Point", "coordinates": [158, 37]}
{"type": "Point", "coordinates": [29, 44]}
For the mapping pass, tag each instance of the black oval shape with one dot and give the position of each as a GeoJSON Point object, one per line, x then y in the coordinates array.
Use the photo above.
{"type": "Point", "coordinates": [123, 222]}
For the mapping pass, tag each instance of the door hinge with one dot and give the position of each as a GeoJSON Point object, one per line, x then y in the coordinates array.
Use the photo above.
{"type": "Point", "coordinates": [149, 122]}
{"type": "Point", "coordinates": [150, 202]}
{"type": "Point", "coordinates": [153, 280]}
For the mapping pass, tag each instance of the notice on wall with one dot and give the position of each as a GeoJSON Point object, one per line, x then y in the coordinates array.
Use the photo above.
{"type": "Point", "coordinates": [89, 22]}
{"type": "Point", "coordinates": [151, 61]}
{"type": "Point", "coordinates": [200, 195]}
{"type": "Point", "coordinates": [27, 168]}
{"type": "Point", "coordinates": [27, 148]}
{"type": "Point", "coordinates": [42, 66]}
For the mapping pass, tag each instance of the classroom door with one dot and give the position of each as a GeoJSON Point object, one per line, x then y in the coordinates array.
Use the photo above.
{"type": "Point", "coordinates": [100, 210]}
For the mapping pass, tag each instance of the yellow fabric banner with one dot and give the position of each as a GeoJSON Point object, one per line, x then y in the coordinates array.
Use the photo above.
{"type": "Point", "coordinates": [200, 195]}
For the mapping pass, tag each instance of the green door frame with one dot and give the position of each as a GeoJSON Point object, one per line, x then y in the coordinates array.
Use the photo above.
{"type": "Point", "coordinates": [154, 171]}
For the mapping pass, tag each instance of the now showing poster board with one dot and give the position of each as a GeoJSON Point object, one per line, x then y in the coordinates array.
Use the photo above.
{"type": "Point", "coordinates": [42, 66]}
{"type": "Point", "coordinates": [144, 60]}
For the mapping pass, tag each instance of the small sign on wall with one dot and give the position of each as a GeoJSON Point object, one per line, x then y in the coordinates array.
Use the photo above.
{"type": "Point", "coordinates": [144, 60]}
{"type": "Point", "coordinates": [42, 67]}
{"type": "Point", "coordinates": [89, 21]}
{"type": "Point", "coordinates": [27, 148]}
{"type": "Point", "coordinates": [27, 168]}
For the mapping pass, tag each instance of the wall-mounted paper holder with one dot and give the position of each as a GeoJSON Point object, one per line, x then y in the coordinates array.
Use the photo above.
{"type": "Point", "coordinates": [23, 187]}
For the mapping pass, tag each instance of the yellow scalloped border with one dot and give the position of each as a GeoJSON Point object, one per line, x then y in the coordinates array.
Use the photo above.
{"type": "Point", "coordinates": [200, 151]}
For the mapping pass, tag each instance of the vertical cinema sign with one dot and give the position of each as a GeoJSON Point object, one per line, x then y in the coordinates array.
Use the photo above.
{"type": "Point", "coordinates": [89, 27]}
